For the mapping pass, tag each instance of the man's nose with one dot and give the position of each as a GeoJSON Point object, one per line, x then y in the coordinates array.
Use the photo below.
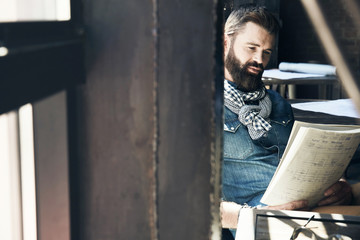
{"type": "Point", "coordinates": [258, 57]}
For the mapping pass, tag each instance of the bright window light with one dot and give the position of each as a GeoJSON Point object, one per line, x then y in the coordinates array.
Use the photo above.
{"type": "Point", "coordinates": [34, 10]}
{"type": "Point", "coordinates": [27, 172]}
{"type": "Point", "coordinates": [10, 201]}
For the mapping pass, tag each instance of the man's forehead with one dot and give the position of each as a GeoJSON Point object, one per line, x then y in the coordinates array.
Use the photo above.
{"type": "Point", "coordinates": [255, 34]}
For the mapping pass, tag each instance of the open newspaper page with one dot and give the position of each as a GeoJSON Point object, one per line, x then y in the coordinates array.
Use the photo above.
{"type": "Point", "coordinates": [316, 157]}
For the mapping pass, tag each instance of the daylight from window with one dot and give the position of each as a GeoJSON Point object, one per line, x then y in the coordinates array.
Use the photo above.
{"type": "Point", "coordinates": [34, 10]}
{"type": "Point", "coordinates": [17, 176]}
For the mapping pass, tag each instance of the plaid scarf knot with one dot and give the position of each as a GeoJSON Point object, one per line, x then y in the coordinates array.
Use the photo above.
{"type": "Point", "coordinates": [252, 116]}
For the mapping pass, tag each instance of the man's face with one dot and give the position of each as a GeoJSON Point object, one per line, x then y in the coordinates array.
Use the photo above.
{"type": "Point", "coordinates": [247, 55]}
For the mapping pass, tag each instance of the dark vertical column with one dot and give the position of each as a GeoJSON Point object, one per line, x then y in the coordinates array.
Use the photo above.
{"type": "Point", "coordinates": [112, 165]}
{"type": "Point", "coordinates": [146, 155]}
{"type": "Point", "coordinates": [186, 95]}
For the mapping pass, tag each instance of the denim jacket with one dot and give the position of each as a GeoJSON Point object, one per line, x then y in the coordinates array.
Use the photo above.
{"type": "Point", "coordinates": [248, 164]}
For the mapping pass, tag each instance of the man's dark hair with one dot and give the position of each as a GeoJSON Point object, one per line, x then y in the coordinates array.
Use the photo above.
{"type": "Point", "coordinates": [251, 13]}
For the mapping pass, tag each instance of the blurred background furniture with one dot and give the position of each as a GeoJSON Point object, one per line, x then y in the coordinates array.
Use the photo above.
{"type": "Point", "coordinates": [285, 83]}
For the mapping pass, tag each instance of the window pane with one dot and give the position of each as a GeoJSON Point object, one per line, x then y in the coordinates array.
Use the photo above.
{"type": "Point", "coordinates": [34, 10]}
{"type": "Point", "coordinates": [17, 176]}
{"type": "Point", "coordinates": [27, 172]}
{"type": "Point", "coordinates": [10, 202]}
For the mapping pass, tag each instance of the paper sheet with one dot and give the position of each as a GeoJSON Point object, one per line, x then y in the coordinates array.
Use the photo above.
{"type": "Point", "coordinates": [308, 68]}
{"type": "Point", "coordinates": [275, 73]}
{"type": "Point", "coordinates": [315, 160]}
{"type": "Point", "coordinates": [340, 107]}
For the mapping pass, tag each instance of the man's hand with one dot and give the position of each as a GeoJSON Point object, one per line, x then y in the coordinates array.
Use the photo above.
{"type": "Point", "coordinates": [229, 212]}
{"type": "Point", "coordinates": [338, 194]}
{"type": "Point", "coordinates": [295, 205]}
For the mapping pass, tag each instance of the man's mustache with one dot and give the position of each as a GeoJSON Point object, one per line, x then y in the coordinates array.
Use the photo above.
{"type": "Point", "coordinates": [255, 64]}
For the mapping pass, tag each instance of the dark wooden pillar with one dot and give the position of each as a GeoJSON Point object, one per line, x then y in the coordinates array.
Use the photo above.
{"type": "Point", "coordinates": [145, 128]}
{"type": "Point", "coordinates": [186, 93]}
{"type": "Point", "coordinates": [113, 169]}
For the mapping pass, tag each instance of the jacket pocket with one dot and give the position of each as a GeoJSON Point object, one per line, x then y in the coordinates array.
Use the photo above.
{"type": "Point", "coordinates": [237, 142]}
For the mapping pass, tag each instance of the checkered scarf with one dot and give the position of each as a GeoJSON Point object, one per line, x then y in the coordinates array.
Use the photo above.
{"type": "Point", "coordinates": [252, 116]}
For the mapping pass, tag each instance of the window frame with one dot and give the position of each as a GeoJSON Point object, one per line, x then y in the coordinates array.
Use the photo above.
{"type": "Point", "coordinates": [44, 57]}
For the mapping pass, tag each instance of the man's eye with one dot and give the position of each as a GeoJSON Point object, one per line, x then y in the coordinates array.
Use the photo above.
{"type": "Point", "coordinates": [252, 48]}
{"type": "Point", "coordinates": [267, 53]}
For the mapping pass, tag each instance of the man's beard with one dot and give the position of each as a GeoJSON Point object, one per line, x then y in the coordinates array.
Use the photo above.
{"type": "Point", "coordinates": [244, 80]}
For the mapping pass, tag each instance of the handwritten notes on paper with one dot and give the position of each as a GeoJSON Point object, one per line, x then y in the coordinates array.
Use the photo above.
{"type": "Point", "coordinates": [316, 157]}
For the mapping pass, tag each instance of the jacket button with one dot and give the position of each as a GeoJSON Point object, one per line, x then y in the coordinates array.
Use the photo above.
{"type": "Point", "coordinates": [232, 128]}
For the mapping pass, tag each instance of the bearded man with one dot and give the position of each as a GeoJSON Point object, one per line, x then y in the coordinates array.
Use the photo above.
{"type": "Point", "coordinates": [257, 121]}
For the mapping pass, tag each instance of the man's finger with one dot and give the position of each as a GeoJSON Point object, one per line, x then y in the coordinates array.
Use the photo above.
{"type": "Point", "coordinates": [289, 206]}
{"type": "Point", "coordinates": [338, 198]}
{"type": "Point", "coordinates": [338, 193]}
{"type": "Point", "coordinates": [336, 187]}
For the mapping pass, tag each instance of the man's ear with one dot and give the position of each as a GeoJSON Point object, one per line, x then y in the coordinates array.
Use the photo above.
{"type": "Point", "coordinates": [227, 44]}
